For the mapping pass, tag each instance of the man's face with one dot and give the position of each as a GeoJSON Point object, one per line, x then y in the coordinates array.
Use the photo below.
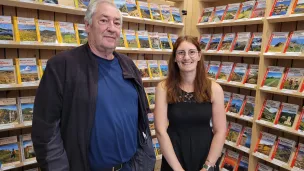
{"type": "Point", "coordinates": [104, 32]}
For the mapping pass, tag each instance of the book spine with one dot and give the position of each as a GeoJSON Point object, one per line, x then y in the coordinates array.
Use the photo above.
{"type": "Point", "coordinates": [200, 19]}
{"type": "Point", "coordinates": [275, 149]}
{"type": "Point", "coordinates": [284, 78]}
{"type": "Point", "coordinates": [16, 30]}
{"type": "Point", "coordinates": [18, 71]}
{"type": "Point", "coordinates": [270, 39]}
{"type": "Point", "coordinates": [294, 6]}
{"type": "Point", "coordinates": [243, 107]}
{"type": "Point", "coordinates": [261, 112]}
{"type": "Point", "coordinates": [246, 75]}
{"type": "Point", "coordinates": [263, 82]}
{"type": "Point", "coordinates": [257, 145]}
{"type": "Point", "coordinates": [238, 12]}
{"type": "Point", "coordinates": [229, 78]}
{"type": "Point", "coordinates": [249, 43]}
{"type": "Point", "coordinates": [38, 30]}
{"type": "Point", "coordinates": [77, 33]}
{"type": "Point", "coordinates": [233, 43]}
{"type": "Point", "coordinates": [276, 120]}
{"type": "Point", "coordinates": [293, 162]}
{"type": "Point", "coordinates": [300, 119]}
{"type": "Point", "coordinates": [252, 15]}
{"type": "Point", "coordinates": [224, 14]}
{"type": "Point", "coordinates": [287, 42]}
{"type": "Point", "coordinates": [273, 6]}
{"type": "Point", "coordinates": [229, 104]}
{"type": "Point", "coordinates": [57, 26]}
{"type": "Point", "coordinates": [240, 137]}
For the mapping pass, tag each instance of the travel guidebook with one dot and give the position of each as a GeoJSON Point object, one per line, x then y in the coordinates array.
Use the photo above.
{"type": "Point", "coordinates": [263, 167]}
{"type": "Point", "coordinates": [163, 66]}
{"type": "Point", "coordinates": [246, 10]}
{"type": "Point", "coordinates": [130, 39]}
{"type": "Point", "coordinates": [218, 13]}
{"type": "Point", "coordinates": [298, 161]}
{"type": "Point", "coordinates": [227, 97]}
{"type": "Point", "coordinates": [9, 115]}
{"type": "Point", "coordinates": [243, 165]}
{"type": "Point", "coordinates": [295, 43]}
{"type": "Point", "coordinates": [232, 11]}
{"type": "Point", "coordinates": [153, 68]}
{"type": "Point", "coordinates": [287, 114]}
{"type": "Point", "coordinates": [25, 29]}
{"type": "Point", "coordinates": [230, 161]}
{"type": "Point", "coordinates": [283, 150]}
{"type": "Point", "coordinates": [255, 42]}
{"type": "Point", "coordinates": [225, 71]}
{"type": "Point", "coordinates": [143, 39]}
{"type": "Point", "coordinates": [265, 143]}
{"type": "Point", "coordinates": [251, 77]}
{"type": "Point", "coordinates": [155, 11]}
{"type": "Point", "coordinates": [67, 32]}
{"type": "Point", "coordinates": [122, 6]}
{"type": "Point", "coordinates": [298, 7]}
{"type": "Point", "coordinates": [213, 69]}
{"type": "Point", "coordinates": [154, 38]}
{"type": "Point", "coordinates": [164, 41]}
{"type": "Point", "coordinates": [166, 13]}
{"type": "Point", "coordinates": [204, 41]}
{"type": "Point", "coordinates": [7, 72]}
{"type": "Point", "coordinates": [26, 107]}
{"type": "Point", "coordinates": [10, 152]}
{"type": "Point", "coordinates": [27, 70]}
{"type": "Point", "coordinates": [47, 31]}
{"type": "Point", "coordinates": [277, 42]}
{"type": "Point", "coordinates": [206, 15]}
{"type": "Point", "coordinates": [143, 69]}
{"type": "Point", "coordinates": [132, 8]}
{"type": "Point", "coordinates": [280, 7]}
{"type": "Point", "coordinates": [28, 152]}
{"type": "Point", "coordinates": [236, 103]}
{"type": "Point", "coordinates": [176, 17]}
{"type": "Point", "coordinates": [269, 110]}
{"type": "Point", "coordinates": [234, 132]}
{"type": "Point", "coordinates": [214, 42]}
{"type": "Point", "coordinates": [273, 76]}
{"type": "Point", "coordinates": [242, 41]}
{"type": "Point", "coordinates": [238, 72]}
{"type": "Point", "coordinates": [144, 9]}
{"type": "Point", "coordinates": [259, 10]}
{"type": "Point", "coordinates": [245, 139]}
{"type": "Point", "coordinates": [248, 109]}
{"type": "Point", "coordinates": [292, 79]}
{"type": "Point", "coordinates": [6, 28]}
{"type": "Point", "coordinates": [227, 42]}
{"type": "Point", "coordinates": [81, 33]}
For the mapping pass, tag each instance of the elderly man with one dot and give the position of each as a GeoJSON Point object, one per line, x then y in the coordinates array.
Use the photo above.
{"type": "Point", "coordinates": [90, 111]}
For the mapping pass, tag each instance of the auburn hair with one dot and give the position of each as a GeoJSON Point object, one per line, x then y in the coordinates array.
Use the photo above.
{"type": "Point", "coordinates": [202, 84]}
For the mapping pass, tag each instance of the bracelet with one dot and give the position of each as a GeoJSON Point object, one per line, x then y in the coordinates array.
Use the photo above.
{"type": "Point", "coordinates": [210, 162]}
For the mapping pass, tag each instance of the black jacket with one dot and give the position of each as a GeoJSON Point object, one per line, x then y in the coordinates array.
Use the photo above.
{"type": "Point", "coordinates": [64, 112]}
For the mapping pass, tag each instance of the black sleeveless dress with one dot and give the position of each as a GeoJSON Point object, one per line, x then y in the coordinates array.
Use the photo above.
{"type": "Point", "coordinates": [190, 132]}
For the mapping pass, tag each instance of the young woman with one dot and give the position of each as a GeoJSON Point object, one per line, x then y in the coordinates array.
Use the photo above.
{"type": "Point", "coordinates": [185, 104]}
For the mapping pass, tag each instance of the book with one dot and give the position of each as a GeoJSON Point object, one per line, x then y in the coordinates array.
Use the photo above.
{"type": "Point", "coordinates": [164, 41]}
{"type": "Point", "coordinates": [287, 114]}
{"type": "Point", "coordinates": [6, 29]}
{"type": "Point", "coordinates": [42, 65]}
{"type": "Point", "coordinates": [155, 11]}
{"type": "Point", "coordinates": [122, 6]}
{"type": "Point", "coordinates": [283, 150]}
{"type": "Point", "coordinates": [25, 108]}
{"type": "Point", "coordinates": [251, 77]}
{"type": "Point", "coordinates": [227, 42]}
{"type": "Point", "coordinates": [280, 7]}
{"type": "Point", "coordinates": [206, 15]}
{"type": "Point", "coordinates": [259, 10]}
{"type": "Point", "coordinates": [234, 131]}
{"type": "Point", "coordinates": [132, 8]}
{"type": "Point", "coordinates": [68, 3]}
{"type": "Point", "coordinates": [227, 97]}
{"type": "Point", "coordinates": [265, 143]}
{"type": "Point", "coordinates": [25, 29]}
{"type": "Point", "coordinates": [298, 7]}
{"type": "Point", "coordinates": [263, 167]}
{"type": "Point", "coordinates": [232, 11]}
{"type": "Point", "coordinates": [151, 123]}
{"type": "Point", "coordinates": [218, 13]}
{"type": "Point", "coordinates": [269, 110]}
{"type": "Point", "coordinates": [213, 69]}
{"type": "Point", "coordinates": [255, 42]}
{"type": "Point", "coordinates": [298, 161]}
{"type": "Point", "coordinates": [121, 42]}
{"type": "Point", "coordinates": [176, 16]}
{"type": "Point", "coordinates": [156, 147]}
{"type": "Point", "coordinates": [225, 70]}
{"type": "Point", "coordinates": [273, 76]}
{"type": "Point", "coordinates": [206, 65]}
{"type": "Point", "coordinates": [10, 152]}
{"type": "Point", "coordinates": [47, 31]}
{"type": "Point", "coordinates": [166, 13]}
{"type": "Point", "coordinates": [248, 109]}
{"type": "Point", "coordinates": [163, 66]}
{"type": "Point", "coordinates": [82, 35]}
{"type": "Point", "coordinates": [214, 42]}
{"type": "Point", "coordinates": [292, 79]}
{"type": "Point", "coordinates": [27, 70]}
{"type": "Point", "coordinates": [236, 103]}
{"type": "Point", "coordinates": [246, 9]}
{"type": "Point", "coordinates": [27, 151]}
{"type": "Point", "coordinates": [49, 1]}
{"type": "Point", "coordinates": [9, 112]}
{"type": "Point", "coordinates": [241, 41]}
{"type": "Point", "coordinates": [153, 68]}
{"type": "Point", "coordinates": [238, 72]}
{"type": "Point", "coordinates": [230, 161]}
{"type": "Point", "coordinates": [150, 91]}
{"type": "Point", "coordinates": [144, 9]}
{"type": "Point", "coordinates": [245, 137]}
{"type": "Point", "coordinates": [300, 122]}
{"type": "Point", "coordinates": [143, 69]}
{"type": "Point", "coordinates": [130, 39]}
{"type": "Point", "coordinates": [204, 41]}
{"type": "Point", "coordinates": [172, 39]}
{"type": "Point", "coordinates": [66, 32]}
{"type": "Point", "coordinates": [243, 164]}
{"type": "Point", "coordinates": [295, 43]}
{"type": "Point", "coordinates": [7, 72]}
{"type": "Point", "coordinates": [277, 42]}
{"type": "Point", "coordinates": [143, 39]}
{"type": "Point", "coordinates": [154, 38]}
{"type": "Point", "coordinates": [82, 3]}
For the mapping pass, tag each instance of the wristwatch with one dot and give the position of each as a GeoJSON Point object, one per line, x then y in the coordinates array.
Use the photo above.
{"type": "Point", "coordinates": [207, 167]}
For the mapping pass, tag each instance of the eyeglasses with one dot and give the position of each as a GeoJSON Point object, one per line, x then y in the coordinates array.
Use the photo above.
{"type": "Point", "coordinates": [181, 53]}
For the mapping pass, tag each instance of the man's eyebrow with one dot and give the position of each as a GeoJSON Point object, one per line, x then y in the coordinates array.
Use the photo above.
{"type": "Point", "coordinates": [115, 18]}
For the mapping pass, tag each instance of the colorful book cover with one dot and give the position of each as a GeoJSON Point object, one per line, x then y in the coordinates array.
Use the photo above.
{"type": "Point", "coordinates": [143, 39]}
{"type": "Point", "coordinates": [215, 41]}
{"type": "Point", "coordinates": [213, 69]}
{"type": "Point", "coordinates": [155, 11]}
{"type": "Point", "coordinates": [292, 79]}
{"type": "Point", "coordinates": [234, 132]}
{"type": "Point", "coordinates": [7, 72]}
{"type": "Point", "coordinates": [67, 32]}
{"type": "Point", "coordinates": [230, 161]}
{"type": "Point", "coordinates": [150, 91]}
{"type": "Point", "coordinates": [28, 152]}
{"type": "Point", "coordinates": [259, 10]}
{"type": "Point", "coordinates": [277, 42]}
{"type": "Point", "coordinates": [6, 29]}
{"type": "Point", "coordinates": [122, 6]}
{"type": "Point", "coordinates": [82, 3]}
{"type": "Point", "coordinates": [47, 31]}
{"type": "Point", "coordinates": [218, 13]}
{"type": "Point", "coordinates": [280, 7]}
{"type": "Point", "coordinates": [42, 65]}
{"type": "Point", "coordinates": [143, 69]}
{"type": "Point", "coordinates": [225, 71]}
{"type": "Point", "coordinates": [151, 123]}
{"type": "Point", "coordinates": [238, 72]}
{"type": "Point", "coordinates": [255, 42]}
{"type": "Point", "coordinates": [50, 1]}
{"type": "Point", "coordinates": [265, 143]}
{"type": "Point", "coordinates": [156, 147]}
{"type": "Point", "coordinates": [248, 109]}
{"type": "Point", "coordinates": [287, 114]}
{"type": "Point", "coordinates": [296, 42]}
{"type": "Point", "coordinates": [154, 38]}
{"type": "Point", "coordinates": [81, 33]}
{"type": "Point", "coordinates": [283, 150]}
{"type": "Point", "coordinates": [204, 41]}
{"type": "Point", "coordinates": [163, 65]}
{"type": "Point", "coordinates": [236, 103]}
{"type": "Point", "coordinates": [166, 13]}
{"type": "Point", "coordinates": [121, 42]}
{"type": "Point", "coordinates": [298, 162]}
{"type": "Point", "coordinates": [130, 39]}
{"type": "Point", "coordinates": [245, 139]}
{"type": "Point", "coordinates": [9, 112]}
{"type": "Point", "coordinates": [300, 122]}
{"type": "Point", "coordinates": [227, 97]}
{"type": "Point", "coordinates": [26, 29]}
{"type": "Point", "coordinates": [132, 8]}
{"type": "Point", "coordinates": [263, 167]}
{"type": "Point", "coordinates": [270, 110]}
{"type": "Point", "coordinates": [26, 107]}
{"type": "Point", "coordinates": [144, 9]}
{"type": "Point", "coordinates": [273, 76]}
{"type": "Point", "coordinates": [298, 7]}
{"type": "Point", "coordinates": [176, 16]}
{"type": "Point", "coordinates": [243, 165]}
{"type": "Point", "coordinates": [242, 41]}
{"type": "Point", "coordinates": [227, 41]}
{"type": "Point", "coordinates": [172, 39]}
{"type": "Point", "coordinates": [164, 41]}
{"type": "Point", "coordinates": [206, 15]}
{"type": "Point", "coordinates": [10, 152]}
{"type": "Point", "coordinates": [246, 10]}
{"type": "Point", "coordinates": [154, 70]}
{"type": "Point", "coordinates": [27, 70]}
{"type": "Point", "coordinates": [252, 75]}
{"type": "Point", "coordinates": [232, 11]}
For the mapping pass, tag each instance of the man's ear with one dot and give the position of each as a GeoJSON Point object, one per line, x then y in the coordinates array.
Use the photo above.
{"type": "Point", "coordinates": [87, 27]}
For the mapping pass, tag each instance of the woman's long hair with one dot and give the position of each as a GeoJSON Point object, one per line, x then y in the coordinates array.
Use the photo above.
{"type": "Point", "coordinates": [202, 84]}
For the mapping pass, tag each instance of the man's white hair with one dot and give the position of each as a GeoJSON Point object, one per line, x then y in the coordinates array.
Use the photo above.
{"type": "Point", "coordinates": [92, 8]}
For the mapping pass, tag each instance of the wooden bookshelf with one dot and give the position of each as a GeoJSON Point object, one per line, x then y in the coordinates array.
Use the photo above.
{"type": "Point", "coordinates": [236, 84]}
{"type": "Point", "coordinates": [251, 21]}
{"type": "Point", "coordinates": [237, 116]}
{"type": "Point", "coordinates": [282, 92]}
{"type": "Point", "coordinates": [241, 148]}
{"type": "Point", "coordinates": [237, 54]}
{"type": "Point", "coordinates": [15, 127]}
{"type": "Point", "coordinates": [285, 18]}
{"type": "Point", "coordinates": [284, 56]}
{"type": "Point", "coordinates": [22, 164]}
{"type": "Point", "coordinates": [262, 157]}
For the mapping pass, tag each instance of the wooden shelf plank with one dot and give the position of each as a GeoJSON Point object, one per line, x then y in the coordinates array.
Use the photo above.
{"type": "Point", "coordinates": [21, 164]}
{"type": "Point", "coordinates": [248, 119]}
{"type": "Point", "coordinates": [231, 23]}
{"type": "Point", "coordinates": [14, 127]}
{"type": "Point", "coordinates": [235, 84]}
{"type": "Point", "coordinates": [239, 54]}
{"type": "Point", "coordinates": [241, 148]}
{"type": "Point", "coordinates": [143, 51]}
{"type": "Point", "coordinates": [284, 55]}
{"type": "Point", "coordinates": [272, 161]}
{"type": "Point", "coordinates": [280, 92]}
{"type": "Point", "coordinates": [287, 18]}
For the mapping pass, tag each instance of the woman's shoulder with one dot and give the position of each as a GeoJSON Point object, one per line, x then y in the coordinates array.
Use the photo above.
{"type": "Point", "coordinates": [216, 89]}
{"type": "Point", "coordinates": [162, 86]}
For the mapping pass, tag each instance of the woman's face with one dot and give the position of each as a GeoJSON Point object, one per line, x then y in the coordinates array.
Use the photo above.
{"type": "Point", "coordinates": [187, 57]}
